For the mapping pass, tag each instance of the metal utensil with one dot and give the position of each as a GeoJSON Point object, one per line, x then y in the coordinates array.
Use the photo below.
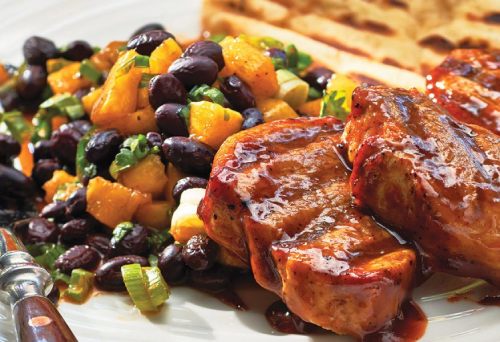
{"type": "Point", "coordinates": [24, 286]}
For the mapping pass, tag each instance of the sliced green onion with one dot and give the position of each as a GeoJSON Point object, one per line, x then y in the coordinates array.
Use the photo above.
{"type": "Point", "coordinates": [205, 92]}
{"type": "Point", "coordinates": [47, 254]}
{"type": "Point", "coordinates": [120, 231]}
{"type": "Point", "coordinates": [137, 287]}
{"type": "Point", "coordinates": [133, 150]}
{"type": "Point", "coordinates": [292, 89]}
{"type": "Point", "coordinates": [80, 285]}
{"type": "Point", "coordinates": [15, 124]}
{"type": "Point", "coordinates": [141, 61]}
{"type": "Point", "coordinates": [63, 104]}
{"type": "Point", "coordinates": [83, 167]}
{"type": "Point", "coordinates": [75, 111]}
{"type": "Point", "coordinates": [157, 287]}
{"type": "Point", "coordinates": [90, 72]}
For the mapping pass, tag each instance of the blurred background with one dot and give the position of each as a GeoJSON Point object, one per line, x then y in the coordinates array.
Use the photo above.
{"type": "Point", "coordinates": [98, 21]}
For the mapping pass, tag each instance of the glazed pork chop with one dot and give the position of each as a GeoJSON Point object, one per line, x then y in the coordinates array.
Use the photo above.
{"type": "Point", "coordinates": [279, 199]}
{"type": "Point", "coordinates": [467, 85]}
{"type": "Point", "coordinates": [431, 178]}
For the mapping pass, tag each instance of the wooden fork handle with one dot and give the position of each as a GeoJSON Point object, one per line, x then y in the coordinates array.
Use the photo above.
{"type": "Point", "coordinates": [38, 320]}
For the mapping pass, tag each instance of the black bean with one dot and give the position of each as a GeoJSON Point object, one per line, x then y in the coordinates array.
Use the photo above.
{"type": "Point", "coordinates": [215, 279]}
{"type": "Point", "coordinates": [237, 93]}
{"type": "Point", "coordinates": [145, 43]}
{"type": "Point", "coordinates": [44, 169]}
{"type": "Point", "coordinates": [103, 171]}
{"type": "Point", "coordinates": [9, 147]}
{"type": "Point", "coordinates": [9, 217]}
{"type": "Point", "coordinates": [81, 256]}
{"type": "Point", "coordinates": [194, 70]}
{"type": "Point", "coordinates": [80, 93]}
{"type": "Point", "coordinates": [170, 120]}
{"type": "Point", "coordinates": [109, 277]}
{"type": "Point", "coordinates": [55, 210]}
{"type": "Point", "coordinates": [166, 88]}
{"type": "Point", "coordinates": [285, 321]}
{"type": "Point", "coordinates": [66, 140]}
{"type": "Point", "coordinates": [100, 242]}
{"type": "Point", "coordinates": [103, 146]}
{"type": "Point", "coordinates": [187, 183]}
{"type": "Point", "coordinates": [188, 155]}
{"type": "Point", "coordinates": [135, 242]}
{"type": "Point", "coordinates": [14, 184]}
{"type": "Point", "coordinates": [148, 27]}
{"type": "Point", "coordinates": [154, 139]}
{"type": "Point", "coordinates": [9, 100]}
{"type": "Point", "coordinates": [206, 48]}
{"type": "Point", "coordinates": [251, 118]}
{"type": "Point", "coordinates": [76, 230]}
{"type": "Point", "coordinates": [43, 150]}
{"type": "Point", "coordinates": [38, 50]}
{"type": "Point", "coordinates": [78, 50]}
{"type": "Point", "coordinates": [280, 59]}
{"type": "Point", "coordinates": [318, 78]}
{"type": "Point", "coordinates": [171, 265]}
{"type": "Point", "coordinates": [200, 252]}
{"type": "Point", "coordinates": [31, 82]}
{"type": "Point", "coordinates": [40, 230]}
{"type": "Point", "coordinates": [77, 202]}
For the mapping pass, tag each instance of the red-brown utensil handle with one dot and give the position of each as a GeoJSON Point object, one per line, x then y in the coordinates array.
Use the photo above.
{"type": "Point", "coordinates": [38, 320]}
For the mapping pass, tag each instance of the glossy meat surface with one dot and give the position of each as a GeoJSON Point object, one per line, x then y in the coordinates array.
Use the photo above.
{"type": "Point", "coordinates": [467, 85]}
{"type": "Point", "coordinates": [431, 178]}
{"type": "Point", "coordinates": [279, 198]}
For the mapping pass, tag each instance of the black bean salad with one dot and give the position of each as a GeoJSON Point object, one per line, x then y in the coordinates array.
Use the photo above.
{"type": "Point", "coordinates": [105, 153]}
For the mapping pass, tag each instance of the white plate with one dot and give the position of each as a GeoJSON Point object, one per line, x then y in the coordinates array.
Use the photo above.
{"type": "Point", "coordinates": [190, 315]}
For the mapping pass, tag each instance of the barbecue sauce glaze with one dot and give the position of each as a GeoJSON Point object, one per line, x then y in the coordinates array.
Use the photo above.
{"type": "Point", "coordinates": [409, 325]}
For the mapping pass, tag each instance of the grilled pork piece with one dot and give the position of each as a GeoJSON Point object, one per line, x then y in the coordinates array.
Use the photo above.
{"type": "Point", "coordinates": [467, 84]}
{"type": "Point", "coordinates": [431, 178]}
{"type": "Point", "coordinates": [279, 198]}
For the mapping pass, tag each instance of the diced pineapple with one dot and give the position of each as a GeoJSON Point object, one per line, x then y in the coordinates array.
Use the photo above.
{"type": "Point", "coordinates": [211, 123]}
{"type": "Point", "coordinates": [59, 178]}
{"type": "Point", "coordinates": [275, 109]}
{"type": "Point", "coordinates": [185, 220]}
{"type": "Point", "coordinates": [163, 56]}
